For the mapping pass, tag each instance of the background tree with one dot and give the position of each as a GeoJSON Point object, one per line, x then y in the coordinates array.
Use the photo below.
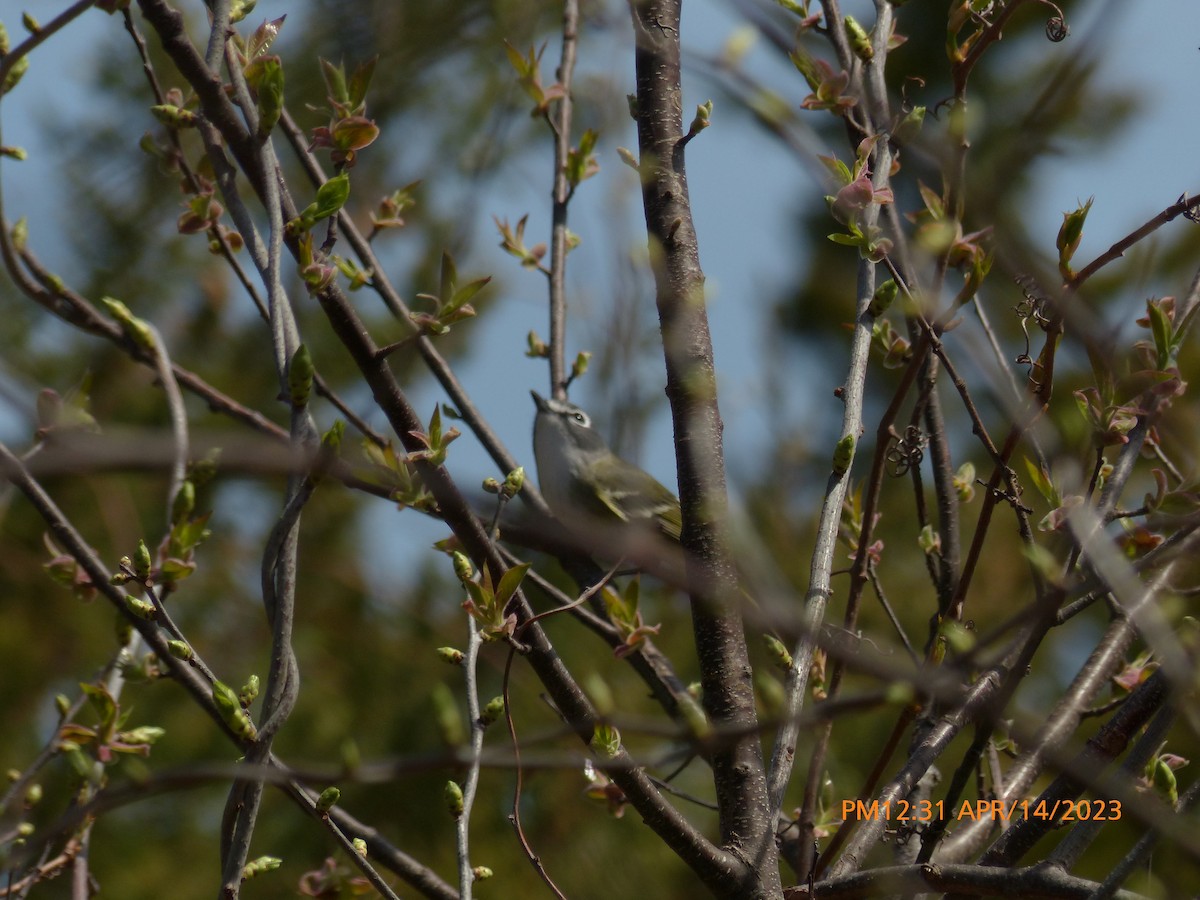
{"type": "Point", "coordinates": [253, 364]}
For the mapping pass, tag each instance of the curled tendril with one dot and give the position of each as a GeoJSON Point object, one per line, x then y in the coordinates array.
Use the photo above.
{"type": "Point", "coordinates": [1192, 214]}
{"type": "Point", "coordinates": [1057, 29]}
{"type": "Point", "coordinates": [906, 452]}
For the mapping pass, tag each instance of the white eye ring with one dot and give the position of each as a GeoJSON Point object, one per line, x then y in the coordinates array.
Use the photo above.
{"type": "Point", "coordinates": [581, 418]}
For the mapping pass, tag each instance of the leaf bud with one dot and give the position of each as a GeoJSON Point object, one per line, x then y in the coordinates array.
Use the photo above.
{"type": "Point", "coordinates": [778, 652]}
{"type": "Point", "coordinates": [329, 797]}
{"type": "Point", "coordinates": [146, 734]}
{"type": "Point", "coordinates": [462, 566]}
{"type": "Point", "coordinates": [843, 455]}
{"type": "Point", "coordinates": [451, 655]}
{"type": "Point", "coordinates": [580, 366]}
{"type": "Point", "coordinates": [300, 377]}
{"type": "Point", "coordinates": [493, 711]}
{"type": "Point", "coordinates": [513, 482]}
{"type": "Point", "coordinates": [883, 297]}
{"type": "Point", "coordinates": [184, 502]}
{"type": "Point", "coordinates": [606, 741]}
{"type": "Point", "coordinates": [454, 798]}
{"type": "Point", "coordinates": [249, 691]}
{"type": "Point", "coordinates": [141, 560]}
{"type": "Point", "coordinates": [143, 609]}
{"type": "Point", "coordinates": [260, 866]}
{"type": "Point", "coordinates": [860, 41]}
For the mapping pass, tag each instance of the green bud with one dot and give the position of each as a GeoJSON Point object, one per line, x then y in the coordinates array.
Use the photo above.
{"type": "Point", "coordinates": [843, 455]}
{"type": "Point", "coordinates": [631, 100]}
{"type": "Point", "coordinates": [1069, 235]}
{"type": "Point", "coordinates": [701, 120]}
{"type": "Point", "coordinates": [778, 652]}
{"type": "Point", "coordinates": [137, 330]}
{"type": "Point", "coordinates": [146, 734]}
{"type": "Point", "coordinates": [462, 566]}
{"type": "Point", "coordinates": [451, 655]}
{"type": "Point", "coordinates": [454, 799]}
{"type": "Point", "coordinates": [481, 873]}
{"type": "Point", "coordinates": [606, 741]}
{"type": "Point", "coordinates": [264, 74]}
{"type": "Point", "coordinates": [491, 485]}
{"type": "Point", "coordinates": [910, 126]}
{"type": "Point", "coordinates": [329, 797]}
{"type": "Point", "coordinates": [225, 699]}
{"type": "Point", "coordinates": [332, 196]}
{"type": "Point", "coordinates": [964, 482]}
{"type": "Point", "coordinates": [242, 725]}
{"type": "Point", "coordinates": [15, 74]}
{"type": "Point", "coordinates": [860, 41]}
{"type": "Point", "coordinates": [140, 608]}
{"type": "Point", "coordinates": [332, 439]}
{"type": "Point", "coordinates": [249, 691]}
{"type": "Point", "coordinates": [118, 578]}
{"type": "Point", "coordinates": [493, 711]}
{"type": "Point", "coordinates": [535, 347]}
{"type": "Point", "coordinates": [174, 116]}
{"type": "Point", "coordinates": [360, 847]}
{"type": "Point", "coordinates": [181, 650]}
{"type": "Point", "coordinates": [230, 708]}
{"type": "Point", "coordinates": [627, 157]}
{"type": "Point", "coordinates": [1164, 781]}
{"type": "Point", "coordinates": [31, 24]}
{"type": "Point", "coordinates": [300, 377]}
{"type": "Point", "coordinates": [33, 795]}
{"type": "Point", "coordinates": [13, 775]}
{"type": "Point", "coordinates": [20, 234]}
{"type": "Point", "coordinates": [260, 866]}
{"type": "Point", "coordinates": [513, 482]}
{"type": "Point", "coordinates": [184, 502]}
{"type": "Point", "coordinates": [141, 560]}
{"type": "Point", "coordinates": [62, 703]}
{"type": "Point", "coordinates": [883, 297]}
{"type": "Point", "coordinates": [580, 366]}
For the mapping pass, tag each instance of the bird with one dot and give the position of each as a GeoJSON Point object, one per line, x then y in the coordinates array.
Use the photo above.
{"type": "Point", "coordinates": [583, 480]}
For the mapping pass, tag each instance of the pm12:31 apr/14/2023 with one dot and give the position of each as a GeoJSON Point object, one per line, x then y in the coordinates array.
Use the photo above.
{"type": "Point", "coordinates": [969, 810]}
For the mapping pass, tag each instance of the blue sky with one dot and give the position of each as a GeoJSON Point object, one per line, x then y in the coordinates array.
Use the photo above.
{"type": "Point", "coordinates": [735, 176]}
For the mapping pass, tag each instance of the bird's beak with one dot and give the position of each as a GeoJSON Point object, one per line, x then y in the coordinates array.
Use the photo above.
{"type": "Point", "coordinates": [539, 400]}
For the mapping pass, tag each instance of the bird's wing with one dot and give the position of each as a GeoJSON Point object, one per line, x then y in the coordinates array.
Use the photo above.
{"type": "Point", "coordinates": [640, 498]}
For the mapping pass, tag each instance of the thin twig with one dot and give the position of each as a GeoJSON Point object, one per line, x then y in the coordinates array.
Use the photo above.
{"type": "Point", "coordinates": [560, 124]}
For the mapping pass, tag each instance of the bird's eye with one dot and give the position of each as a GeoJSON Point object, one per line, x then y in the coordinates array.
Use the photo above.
{"type": "Point", "coordinates": [580, 418]}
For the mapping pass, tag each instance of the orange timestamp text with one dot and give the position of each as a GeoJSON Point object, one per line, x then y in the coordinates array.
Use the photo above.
{"type": "Point", "coordinates": [901, 811]}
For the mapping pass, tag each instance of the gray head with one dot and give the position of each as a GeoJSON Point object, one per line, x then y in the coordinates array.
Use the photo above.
{"type": "Point", "coordinates": [566, 425]}
{"type": "Point", "coordinates": [567, 450]}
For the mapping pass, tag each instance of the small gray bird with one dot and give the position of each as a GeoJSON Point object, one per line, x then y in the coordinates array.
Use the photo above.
{"type": "Point", "coordinates": [581, 478]}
